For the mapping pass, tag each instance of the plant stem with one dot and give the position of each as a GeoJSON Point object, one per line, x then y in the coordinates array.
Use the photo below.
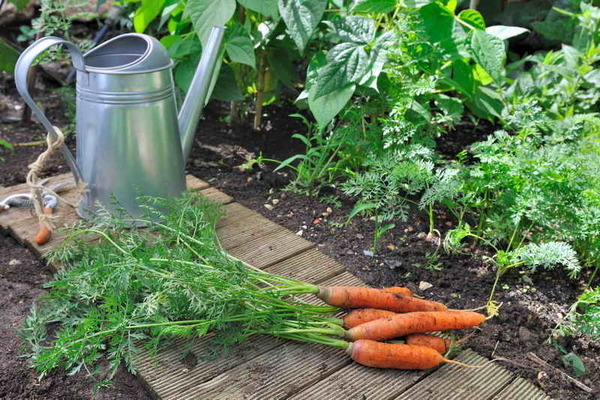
{"type": "Point", "coordinates": [260, 91]}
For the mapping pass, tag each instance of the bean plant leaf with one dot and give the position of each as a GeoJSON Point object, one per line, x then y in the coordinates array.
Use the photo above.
{"type": "Point", "coordinates": [8, 57]}
{"type": "Point", "coordinates": [226, 88]}
{"type": "Point", "coordinates": [239, 46]}
{"type": "Point", "coordinates": [318, 61]}
{"type": "Point", "coordinates": [347, 63]}
{"type": "Point", "coordinates": [208, 13]}
{"type": "Point", "coordinates": [146, 13]}
{"type": "Point", "coordinates": [283, 68]}
{"type": "Point", "coordinates": [355, 29]}
{"type": "Point", "coordinates": [462, 77]}
{"type": "Point", "coordinates": [490, 53]}
{"type": "Point", "coordinates": [267, 8]}
{"type": "Point", "coordinates": [377, 59]}
{"type": "Point", "coordinates": [19, 3]}
{"type": "Point", "coordinates": [373, 6]}
{"type": "Point", "coordinates": [505, 32]}
{"type": "Point", "coordinates": [417, 3]}
{"type": "Point", "coordinates": [440, 26]}
{"type": "Point", "coordinates": [301, 18]}
{"type": "Point", "coordinates": [326, 107]}
{"type": "Point", "coordinates": [473, 18]}
{"type": "Point", "coordinates": [180, 47]}
{"type": "Point", "coordinates": [184, 71]}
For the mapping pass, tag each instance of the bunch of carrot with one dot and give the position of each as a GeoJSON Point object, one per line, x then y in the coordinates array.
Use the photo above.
{"type": "Point", "coordinates": [380, 314]}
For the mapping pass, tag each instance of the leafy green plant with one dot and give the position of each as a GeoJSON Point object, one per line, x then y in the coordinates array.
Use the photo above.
{"type": "Point", "coordinates": [564, 82]}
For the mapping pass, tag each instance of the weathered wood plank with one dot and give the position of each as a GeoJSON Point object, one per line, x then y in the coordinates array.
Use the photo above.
{"type": "Point", "coordinates": [247, 229]}
{"type": "Point", "coordinates": [169, 375]}
{"type": "Point", "coordinates": [310, 266]}
{"type": "Point", "coordinates": [453, 382]}
{"type": "Point", "coordinates": [216, 195]}
{"type": "Point", "coordinates": [270, 249]}
{"type": "Point", "coordinates": [356, 382]}
{"type": "Point", "coordinates": [521, 389]}
{"type": "Point", "coordinates": [275, 374]}
{"type": "Point", "coordinates": [234, 212]}
{"type": "Point", "coordinates": [193, 183]}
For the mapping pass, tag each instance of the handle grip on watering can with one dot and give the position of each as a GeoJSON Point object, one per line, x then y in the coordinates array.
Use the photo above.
{"type": "Point", "coordinates": [21, 71]}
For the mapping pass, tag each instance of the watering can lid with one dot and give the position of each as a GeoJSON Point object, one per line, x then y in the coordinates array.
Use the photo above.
{"type": "Point", "coordinates": [129, 53]}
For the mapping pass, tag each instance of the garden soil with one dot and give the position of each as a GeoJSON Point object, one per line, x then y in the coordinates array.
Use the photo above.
{"type": "Point", "coordinates": [531, 307]}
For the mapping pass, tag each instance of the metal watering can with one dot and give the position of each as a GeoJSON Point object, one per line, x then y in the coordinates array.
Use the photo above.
{"type": "Point", "coordinates": [131, 140]}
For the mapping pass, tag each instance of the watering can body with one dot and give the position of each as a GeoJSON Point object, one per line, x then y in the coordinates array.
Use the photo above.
{"type": "Point", "coordinates": [131, 142]}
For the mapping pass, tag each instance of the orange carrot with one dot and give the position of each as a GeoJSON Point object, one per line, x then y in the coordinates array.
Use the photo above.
{"type": "Point", "coordinates": [43, 235]}
{"type": "Point", "coordinates": [362, 315]}
{"type": "Point", "coordinates": [398, 356]}
{"type": "Point", "coordinates": [415, 322]}
{"type": "Point", "coordinates": [437, 343]}
{"type": "Point", "coordinates": [398, 290]}
{"type": "Point", "coordinates": [361, 297]}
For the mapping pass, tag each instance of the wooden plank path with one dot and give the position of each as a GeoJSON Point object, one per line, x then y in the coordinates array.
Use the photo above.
{"type": "Point", "coordinates": [266, 368]}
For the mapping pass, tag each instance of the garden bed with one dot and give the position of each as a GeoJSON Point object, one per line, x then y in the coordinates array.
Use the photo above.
{"type": "Point", "coordinates": [532, 305]}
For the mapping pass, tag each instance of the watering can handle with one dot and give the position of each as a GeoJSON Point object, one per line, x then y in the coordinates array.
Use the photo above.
{"type": "Point", "coordinates": [21, 71]}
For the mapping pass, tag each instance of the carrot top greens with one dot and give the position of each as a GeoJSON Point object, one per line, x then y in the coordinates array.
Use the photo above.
{"type": "Point", "coordinates": [137, 287]}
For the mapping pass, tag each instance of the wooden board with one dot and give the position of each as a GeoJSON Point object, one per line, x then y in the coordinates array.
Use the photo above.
{"type": "Point", "coordinates": [268, 368]}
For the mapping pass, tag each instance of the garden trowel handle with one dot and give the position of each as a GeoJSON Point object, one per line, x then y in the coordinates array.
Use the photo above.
{"type": "Point", "coordinates": [21, 71]}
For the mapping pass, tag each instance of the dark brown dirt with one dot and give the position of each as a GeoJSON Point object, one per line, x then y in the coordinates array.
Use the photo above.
{"type": "Point", "coordinates": [531, 305]}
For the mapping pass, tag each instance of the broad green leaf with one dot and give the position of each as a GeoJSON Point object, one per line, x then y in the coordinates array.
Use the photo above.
{"type": "Point", "coordinates": [355, 29]}
{"type": "Point", "coordinates": [184, 71]}
{"type": "Point", "coordinates": [318, 61]}
{"type": "Point", "coordinates": [347, 63]}
{"type": "Point", "coordinates": [439, 24]}
{"type": "Point", "coordinates": [462, 77]}
{"type": "Point", "coordinates": [373, 6]}
{"type": "Point", "coordinates": [165, 15]}
{"type": "Point", "coordinates": [283, 68]}
{"type": "Point", "coordinates": [417, 3]}
{"type": "Point", "coordinates": [573, 361]}
{"type": "Point", "coordinates": [489, 52]}
{"type": "Point", "coordinates": [208, 13]}
{"type": "Point", "coordinates": [377, 59]}
{"type": "Point", "coordinates": [450, 5]}
{"type": "Point", "coordinates": [301, 17]}
{"type": "Point", "coordinates": [505, 32]}
{"type": "Point", "coordinates": [19, 3]}
{"type": "Point", "coordinates": [485, 103]}
{"type": "Point", "coordinates": [146, 13]}
{"type": "Point", "coordinates": [481, 76]}
{"type": "Point", "coordinates": [267, 8]}
{"type": "Point", "coordinates": [8, 57]}
{"type": "Point", "coordinates": [325, 108]}
{"type": "Point", "coordinates": [239, 46]}
{"type": "Point", "coordinates": [226, 88]}
{"type": "Point", "coordinates": [473, 18]}
{"type": "Point", "coordinates": [181, 47]}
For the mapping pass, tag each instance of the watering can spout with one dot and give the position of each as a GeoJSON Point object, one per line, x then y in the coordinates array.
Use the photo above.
{"type": "Point", "coordinates": [197, 96]}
